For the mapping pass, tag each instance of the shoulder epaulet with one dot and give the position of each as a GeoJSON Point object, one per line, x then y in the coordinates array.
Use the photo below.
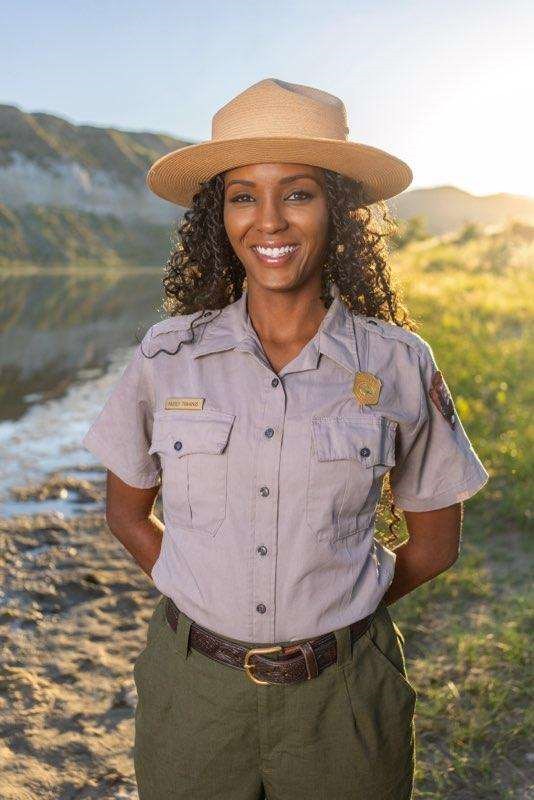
{"type": "Point", "coordinates": [389, 330]}
{"type": "Point", "coordinates": [178, 327]}
{"type": "Point", "coordinates": [179, 322]}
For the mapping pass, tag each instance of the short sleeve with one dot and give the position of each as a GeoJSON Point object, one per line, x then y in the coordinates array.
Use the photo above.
{"type": "Point", "coordinates": [436, 465]}
{"type": "Point", "coordinates": [121, 434]}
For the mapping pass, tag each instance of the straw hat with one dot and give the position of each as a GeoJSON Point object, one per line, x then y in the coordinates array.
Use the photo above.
{"type": "Point", "coordinates": [274, 120]}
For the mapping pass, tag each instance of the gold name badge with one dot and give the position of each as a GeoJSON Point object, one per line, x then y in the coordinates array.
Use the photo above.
{"type": "Point", "coordinates": [184, 403]}
{"type": "Point", "coordinates": [366, 388]}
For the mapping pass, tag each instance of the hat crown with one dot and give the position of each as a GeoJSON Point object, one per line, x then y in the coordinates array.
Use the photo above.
{"type": "Point", "coordinates": [273, 107]}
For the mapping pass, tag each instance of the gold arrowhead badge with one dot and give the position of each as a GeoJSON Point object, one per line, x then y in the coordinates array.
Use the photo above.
{"type": "Point", "coordinates": [366, 388]}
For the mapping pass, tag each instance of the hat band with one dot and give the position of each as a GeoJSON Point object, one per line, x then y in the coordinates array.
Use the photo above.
{"type": "Point", "coordinates": [265, 122]}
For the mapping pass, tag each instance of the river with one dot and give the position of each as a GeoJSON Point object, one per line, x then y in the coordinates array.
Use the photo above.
{"type": "Point", "coordinates": [65, 337]}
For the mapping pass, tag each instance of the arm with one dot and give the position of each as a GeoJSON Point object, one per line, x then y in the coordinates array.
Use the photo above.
{"type": "Point", "coordinates": [432, 548]}
{"type": "Point", "coordinates": [130, 519]}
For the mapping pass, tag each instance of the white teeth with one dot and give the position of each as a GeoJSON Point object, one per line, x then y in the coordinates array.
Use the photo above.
{"type": "Point", "coordinates": [275, 252]}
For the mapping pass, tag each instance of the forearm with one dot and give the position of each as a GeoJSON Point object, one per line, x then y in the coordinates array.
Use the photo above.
{"type": "Point", "coordinates": [141, 538]}
{"type": "Point", "coordinates": [413, 567]}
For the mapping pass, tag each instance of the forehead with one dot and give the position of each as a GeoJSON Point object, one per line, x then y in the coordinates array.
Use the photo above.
{"type": "Point", "coordinates": [272, 172]}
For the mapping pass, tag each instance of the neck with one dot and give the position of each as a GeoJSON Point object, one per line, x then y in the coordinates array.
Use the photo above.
{"type": "Point", "coordinates": [283, 318]}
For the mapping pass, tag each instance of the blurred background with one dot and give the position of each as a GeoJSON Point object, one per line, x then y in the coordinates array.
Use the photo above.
{"type": "Point", "coordinates": [92, 93]}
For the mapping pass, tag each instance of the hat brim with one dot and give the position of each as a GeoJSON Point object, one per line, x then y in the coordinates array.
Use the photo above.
{"type": "Point", "coordinates": [177, 176]}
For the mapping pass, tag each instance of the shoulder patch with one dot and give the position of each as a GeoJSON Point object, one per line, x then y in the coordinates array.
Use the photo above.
{"type": "Point", "coordinates": [389, 330]}
{"type": "Point", "coordinates": [441, 397]}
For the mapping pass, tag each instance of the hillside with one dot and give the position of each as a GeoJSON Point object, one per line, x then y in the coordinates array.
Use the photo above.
{"type": "Point", "coordinates": [55, 235]}
{"type": "Point", "coordinates": [46, 160]}
{"type": "Point", "coordinates": [71, 191]}
{"type": "Point", "coordinates": [447, 208]}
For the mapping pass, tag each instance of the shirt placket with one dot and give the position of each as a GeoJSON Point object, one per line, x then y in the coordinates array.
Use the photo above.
{"type": "Point", "coordinates": [265, 535]}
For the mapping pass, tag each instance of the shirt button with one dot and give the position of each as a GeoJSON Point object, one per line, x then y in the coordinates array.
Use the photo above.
{"type": "Point", "coordinates": [269, 432]}
{"type": "Point", "coordinates": [177, 445]}
{"type": "Point", "coordinates": [264, 491]}
{"type": "Point", "coordinates": [364, 452]}
{"type": "Point", "coordinates": [262, 550]}
{"type": "Point", "coordinates": [260, 608]}
{"type": "Point", "coordinates": [275, 382]}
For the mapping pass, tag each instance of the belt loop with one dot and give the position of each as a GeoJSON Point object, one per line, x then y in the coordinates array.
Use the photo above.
{"type": "Point", "coordinates": [182, 634]}
{"type": "Point", "coordinates": [344, 646]}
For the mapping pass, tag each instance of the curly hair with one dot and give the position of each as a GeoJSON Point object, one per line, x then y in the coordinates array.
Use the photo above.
{"type": "Point", "coordinates": [203, 271]}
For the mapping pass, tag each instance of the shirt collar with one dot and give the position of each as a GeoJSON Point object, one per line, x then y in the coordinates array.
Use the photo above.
{"type": "Point", "coordinates": [335, 337]}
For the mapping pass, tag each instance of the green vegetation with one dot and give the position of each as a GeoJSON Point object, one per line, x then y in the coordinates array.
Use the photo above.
{"type": "Point", "coordinates": [409, 230]}
{"type": "Point", "coordinates": [54, 236]}
{"type": "Point", "coordinates": [467, 632]}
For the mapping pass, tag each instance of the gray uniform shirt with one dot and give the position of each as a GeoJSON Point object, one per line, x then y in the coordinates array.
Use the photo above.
{"type": "Point", "coordinates": [270, 482]}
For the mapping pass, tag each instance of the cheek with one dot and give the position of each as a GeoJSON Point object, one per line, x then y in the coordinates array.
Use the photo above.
{"type": "Point", "coordinates": [228, 223]}
{"type": "Point", "coordinates": [235, 227]}
{"type": "Point", "coordinates": [315, 227]}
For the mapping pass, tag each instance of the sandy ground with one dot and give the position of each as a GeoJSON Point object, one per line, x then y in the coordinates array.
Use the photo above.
{"type": "Point", "coordinates": [74, 613]}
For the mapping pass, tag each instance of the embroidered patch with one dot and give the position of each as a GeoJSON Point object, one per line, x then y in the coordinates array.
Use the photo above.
{"type": "Point", "coordinates": [442, 399]}
{"type": "Point", "coordinates": [184, 403]}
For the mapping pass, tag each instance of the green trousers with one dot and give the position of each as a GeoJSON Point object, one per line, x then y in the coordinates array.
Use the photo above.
{"type": "Point", "coordinates": [205, 731]}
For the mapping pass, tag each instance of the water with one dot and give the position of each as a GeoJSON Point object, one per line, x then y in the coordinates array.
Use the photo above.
{"type": "Point", "coordinates": [65, 339]}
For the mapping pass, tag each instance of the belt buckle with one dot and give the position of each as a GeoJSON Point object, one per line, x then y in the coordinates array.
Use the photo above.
{"type": "Point", "coordinates": [248, 666]}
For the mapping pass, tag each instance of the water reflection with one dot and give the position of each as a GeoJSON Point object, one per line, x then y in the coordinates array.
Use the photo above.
{"type": "Point", "coordinates": [65, 338]}
{"type": "Point", "coordinates": [57, 323]}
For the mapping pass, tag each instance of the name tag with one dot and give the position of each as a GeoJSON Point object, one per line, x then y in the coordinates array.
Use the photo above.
{"type": "Point", "coordinates": [184, 403]}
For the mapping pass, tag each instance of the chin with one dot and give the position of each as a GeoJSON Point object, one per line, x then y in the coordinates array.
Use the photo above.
{"type": "Point", "coordinates": [279, 282]}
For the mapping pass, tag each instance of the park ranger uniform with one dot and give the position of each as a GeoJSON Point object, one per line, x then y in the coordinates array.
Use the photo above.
{"type": "Point", "coordinates": [270, 484]}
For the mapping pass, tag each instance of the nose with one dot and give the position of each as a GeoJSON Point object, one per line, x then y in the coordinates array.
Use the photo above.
{"type": "Point", "coordinates": [270, 216]}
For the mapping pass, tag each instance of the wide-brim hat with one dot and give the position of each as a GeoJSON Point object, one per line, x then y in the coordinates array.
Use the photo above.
{"type": "Point", "coordinates": [276, 121]}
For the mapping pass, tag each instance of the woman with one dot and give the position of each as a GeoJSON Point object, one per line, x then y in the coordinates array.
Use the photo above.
{"type": "Point", "coordinates": [284, 386]}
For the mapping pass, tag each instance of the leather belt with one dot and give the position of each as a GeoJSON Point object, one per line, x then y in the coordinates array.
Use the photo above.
{"type": "Point", "coordinates": [304, 661]}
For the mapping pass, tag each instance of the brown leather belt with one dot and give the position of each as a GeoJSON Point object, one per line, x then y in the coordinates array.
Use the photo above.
{"type": "Point", "coordinates": [305, 659]}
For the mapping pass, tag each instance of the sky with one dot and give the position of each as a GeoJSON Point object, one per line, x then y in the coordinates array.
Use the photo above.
{"type": "Point", "coordinates": [445, 86]}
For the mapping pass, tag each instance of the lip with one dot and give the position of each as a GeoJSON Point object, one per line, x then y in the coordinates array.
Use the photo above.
{"type": "Point", "coordinates": [274, 244]}
{"type": "Point", "coordinates": [275, 261]}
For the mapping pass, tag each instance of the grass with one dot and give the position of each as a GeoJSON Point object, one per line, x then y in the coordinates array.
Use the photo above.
{"type": "Point", "coordinates": [468, 647]}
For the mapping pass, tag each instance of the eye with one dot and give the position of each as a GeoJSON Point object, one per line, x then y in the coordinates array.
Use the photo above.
{"type": "Point", "coordinates": [243, 197]}
{"type": "Point", "coordinates": [301, 192]}
{"type": "Point", "coordinates": [238, 197]}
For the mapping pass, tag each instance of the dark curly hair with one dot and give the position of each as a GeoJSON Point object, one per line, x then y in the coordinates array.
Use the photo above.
{"type": "Point", "coordinates": [203, 271]}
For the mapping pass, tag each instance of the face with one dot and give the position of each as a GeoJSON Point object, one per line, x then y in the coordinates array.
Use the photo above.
{"type": "Point", "coordinates": [267, 206]}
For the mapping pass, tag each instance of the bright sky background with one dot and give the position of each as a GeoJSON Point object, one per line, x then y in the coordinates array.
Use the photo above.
{"type": "Point", "coordinates": [445, 85]}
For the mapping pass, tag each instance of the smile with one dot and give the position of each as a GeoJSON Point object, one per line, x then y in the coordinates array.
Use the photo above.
{"type": "Point", "coordinates": [275, 255]}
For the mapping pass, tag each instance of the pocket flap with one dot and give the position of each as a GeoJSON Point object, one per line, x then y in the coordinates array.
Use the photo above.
{"type": "Point", "coordinates": [180, 433]}
{"type": "Point", "coordinates": [369, 440]}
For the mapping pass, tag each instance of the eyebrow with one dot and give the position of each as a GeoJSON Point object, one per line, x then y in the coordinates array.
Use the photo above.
{"type": "Point", "coordinates": [287, 179]}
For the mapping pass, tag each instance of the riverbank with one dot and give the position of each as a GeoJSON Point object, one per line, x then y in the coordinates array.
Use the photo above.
{"type": "Point", "coordinates": [74, 614]}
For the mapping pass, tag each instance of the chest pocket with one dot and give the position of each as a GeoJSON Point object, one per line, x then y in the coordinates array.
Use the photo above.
{"type": "Point", "coordinates": [348, 457]}
{"type": "Point", "coordinates": [193, 450]}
